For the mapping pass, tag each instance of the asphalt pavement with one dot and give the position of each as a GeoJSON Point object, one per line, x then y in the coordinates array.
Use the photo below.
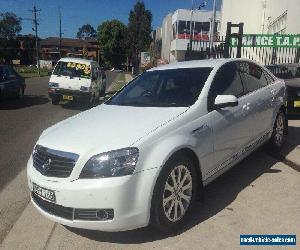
{"type": "Point", "coordinates": [21, 123]}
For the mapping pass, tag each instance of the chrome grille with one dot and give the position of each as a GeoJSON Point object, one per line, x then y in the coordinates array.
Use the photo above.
{"type": "Point", "coordinates": [53, 163]}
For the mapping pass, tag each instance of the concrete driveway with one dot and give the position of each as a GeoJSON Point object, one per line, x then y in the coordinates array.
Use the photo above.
{"type": "Point", "coordinates": [258, 196]}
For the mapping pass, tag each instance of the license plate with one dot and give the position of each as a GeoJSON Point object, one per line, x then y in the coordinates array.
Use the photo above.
{"type": "Point", "coordinates": [68, 97]}
{"type": "Point", "coordinates": [44, 193]}
{"type": "Point", "coordinates": [297, 104]}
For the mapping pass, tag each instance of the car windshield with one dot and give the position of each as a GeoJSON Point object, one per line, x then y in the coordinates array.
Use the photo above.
{"type": "Point", "coordinates": [163, 88]}
{"type": "Point", "coordinates": [72, 69]}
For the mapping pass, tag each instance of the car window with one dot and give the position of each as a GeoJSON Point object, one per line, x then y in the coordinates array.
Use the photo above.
{"type": "Point", "coordinates": [163, 88]}
{"type": "Point", "coordinates": [270, 79]}
{"type": "Point", "coordinates": [252, 76]}
{"type": "Point", "coordinates": [227, 81]}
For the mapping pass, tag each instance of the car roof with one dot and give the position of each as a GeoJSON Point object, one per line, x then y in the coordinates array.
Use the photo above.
{"type": "Point", "coordinates": [77, 60]}
{"type": "Point", "coordinates": [207, 63]}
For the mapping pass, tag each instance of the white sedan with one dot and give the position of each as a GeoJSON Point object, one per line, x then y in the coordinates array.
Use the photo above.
{"type": "Point", "coordinates": [145, 155]}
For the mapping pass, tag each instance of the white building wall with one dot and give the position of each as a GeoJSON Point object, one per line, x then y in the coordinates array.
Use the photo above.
{"type": "Point", "coordinates": [256, 18]}
{"type": "Point", "coordinates": [166, 35]}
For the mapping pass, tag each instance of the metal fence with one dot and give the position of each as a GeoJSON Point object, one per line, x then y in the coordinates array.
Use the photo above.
{"type": "Point", "coordinates": [198, 50]}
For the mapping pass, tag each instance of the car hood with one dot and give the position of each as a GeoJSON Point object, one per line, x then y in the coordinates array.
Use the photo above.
{"type": "Point", "coordinates": [106, 127]}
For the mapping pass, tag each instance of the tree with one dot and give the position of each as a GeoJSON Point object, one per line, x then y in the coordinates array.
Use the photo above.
{"type": "Point", "coordinates": [10, 25]}
{"type": "Point", "coordinates": [112, 37]}
{"type": "Point", "coordinates": [86, 31]}
{"type": "Point", "coordinates": [139, 32]}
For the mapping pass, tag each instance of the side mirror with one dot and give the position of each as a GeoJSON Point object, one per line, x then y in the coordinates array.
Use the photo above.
{"type": "Point", "coordinates": [223, 101]}
{"type": "Point", "coordinates": [49, 73]}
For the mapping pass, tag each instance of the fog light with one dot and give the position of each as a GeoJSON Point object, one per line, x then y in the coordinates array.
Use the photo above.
{"type": "Point", "coordinates": [94, 214]}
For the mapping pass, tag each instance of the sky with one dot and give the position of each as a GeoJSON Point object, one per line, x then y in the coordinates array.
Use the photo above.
{"type": "Point", "coordinates": [76, 13]}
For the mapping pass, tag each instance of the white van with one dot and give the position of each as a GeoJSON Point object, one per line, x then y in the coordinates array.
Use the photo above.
{"type": "Point", "coordinates": [77, 79]}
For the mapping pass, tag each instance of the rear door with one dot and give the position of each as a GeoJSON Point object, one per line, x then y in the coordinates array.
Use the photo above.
{"type": "Point", "coordinates": [261, 95]}
{"type": "Point", "coordinates": [231, 126]}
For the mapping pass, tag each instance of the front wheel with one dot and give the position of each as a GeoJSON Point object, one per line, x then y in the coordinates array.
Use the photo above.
{"type": "Point", "coordinates": [279, 130]}
{"type": "Point", "coordinates": [174, 194]}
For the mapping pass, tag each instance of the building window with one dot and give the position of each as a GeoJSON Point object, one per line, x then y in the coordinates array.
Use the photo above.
{"type": "Point", "coordinates": [278, 26]}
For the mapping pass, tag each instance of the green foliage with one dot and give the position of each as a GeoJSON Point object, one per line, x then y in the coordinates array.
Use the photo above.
{"type": "Point", "coordinates": [86, 31]}
{"type": "Point", "coordinates": [139, 29]}
{"type": "Point", "coordinates": [111, 36]}
{"type": "Point", "coordinates": [10, 25]}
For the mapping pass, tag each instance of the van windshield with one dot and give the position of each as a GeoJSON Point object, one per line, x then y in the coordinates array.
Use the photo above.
{"type": "Point", "coordinates": [163, 88]}
{"type": "Point", "coordinates": [72, 69]}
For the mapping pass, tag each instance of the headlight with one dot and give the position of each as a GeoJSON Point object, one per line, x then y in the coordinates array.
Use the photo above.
{"type": "Point", "coordinates": [53, 85]}
{"type": "Point", "coordinates": [83, 88]}
{"type": "Point", "coordinates": [111, 164]}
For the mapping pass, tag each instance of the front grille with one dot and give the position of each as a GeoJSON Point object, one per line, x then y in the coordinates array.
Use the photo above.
{"type": "Point", "coordinates": [54, 209]}
{"type": "Point", "coordinates": [53, 163]}
{"type": "Point", "coordinates": [73, 213]}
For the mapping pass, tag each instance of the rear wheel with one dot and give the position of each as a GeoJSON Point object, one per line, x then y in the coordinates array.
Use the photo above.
{"type": "Point", "coordinates": [174, 194]}
{"type": "Point", "coordinates": [279, 130]}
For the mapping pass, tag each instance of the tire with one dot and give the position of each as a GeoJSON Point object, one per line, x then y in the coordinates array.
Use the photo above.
{"type": "Point", "coordinates": [279, 131]}
{"type": "Point", "coordinates": [163, 215]}
{"type": "Point", "coordinates": [55, 101]}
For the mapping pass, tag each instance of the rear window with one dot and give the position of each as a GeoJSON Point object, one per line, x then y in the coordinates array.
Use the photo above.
{"type": "Point", "coordinates": [72, 69]}
{"type": "Point", "coordinates": [163, 88]}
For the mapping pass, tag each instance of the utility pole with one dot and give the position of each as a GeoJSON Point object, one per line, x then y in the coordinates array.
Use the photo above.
{"type": "Point", "coordinates": [60, 33]}
{"type": "Point", "coordinates": [36, 38]}
{"type": "Point", "coordinates": [212, 28]}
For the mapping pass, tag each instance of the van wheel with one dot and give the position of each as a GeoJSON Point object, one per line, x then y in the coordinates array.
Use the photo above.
{"type": "Point", "coordinates": [174, 194]}
{"type": "Point", "coordinates": [279, 130]}
{"type": "Point", "coordinates": [55, 101]}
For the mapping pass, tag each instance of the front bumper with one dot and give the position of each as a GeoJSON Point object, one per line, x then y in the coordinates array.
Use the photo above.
{"type": "Point", "coordinates": [76, 94]}
{"type": "Point", "coordinates": [128, 196]}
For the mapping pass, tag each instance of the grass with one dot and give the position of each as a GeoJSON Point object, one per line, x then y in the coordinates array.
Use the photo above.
{"type": "Point", "coordinates": [30, 71]}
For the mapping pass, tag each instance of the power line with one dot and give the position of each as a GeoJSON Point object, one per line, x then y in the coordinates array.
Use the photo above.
{"type": "Point", "coordinates": [60, 33]}
{"type": "Point", "coordinates": [36, 36]}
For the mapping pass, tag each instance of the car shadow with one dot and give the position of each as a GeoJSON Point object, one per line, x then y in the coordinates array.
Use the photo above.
{"type": "Point", "coordinates": [218, 196]}
{"type": "Point", "coordinates": [26, 101]}
{"type": "Point", "coordinates": [292, 142]}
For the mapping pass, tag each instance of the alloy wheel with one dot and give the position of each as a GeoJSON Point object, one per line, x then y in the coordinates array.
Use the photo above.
{"type": "Point", "coordinates": [177, 193]}
{"type": "Point", "coordinates": [279, 130]}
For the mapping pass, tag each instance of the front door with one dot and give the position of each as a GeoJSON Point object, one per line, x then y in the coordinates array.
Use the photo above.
{"type": "Point", "coordinates": [231, 126]}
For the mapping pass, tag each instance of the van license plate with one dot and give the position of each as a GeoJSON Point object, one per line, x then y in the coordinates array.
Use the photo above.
{"type": "Point", "coordinates": [68, 97]}
{"type": "Point", "coordinates": [297, 104]}
{"type": "Point", "coordinates": [44, 193]}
